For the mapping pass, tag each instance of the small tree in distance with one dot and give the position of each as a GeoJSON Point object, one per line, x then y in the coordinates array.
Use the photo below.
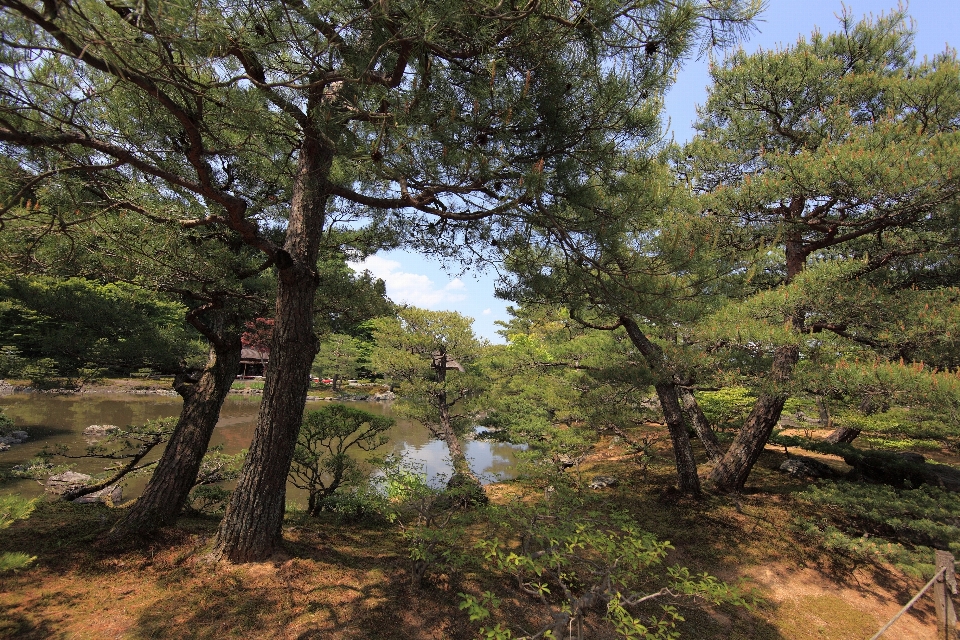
{"type": "Point", "coordinates": [338, 358]}
{"type": "Point", "coordinates": [430, 354]}
{"type": "Point", "coordinates": [321, 464]}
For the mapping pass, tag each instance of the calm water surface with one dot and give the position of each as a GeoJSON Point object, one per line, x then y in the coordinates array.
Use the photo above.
{"type": "Point", "coordinates": [60, 420]}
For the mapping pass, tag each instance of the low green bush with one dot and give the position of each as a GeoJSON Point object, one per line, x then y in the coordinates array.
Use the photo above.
{"type": "Point", "coordinates": [884, 523]}
{"type": "Point", "coordinates": [727, 408]}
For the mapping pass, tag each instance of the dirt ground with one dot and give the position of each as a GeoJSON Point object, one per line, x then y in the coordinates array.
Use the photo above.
{"type": "Point", "coordinates": [337, 581]}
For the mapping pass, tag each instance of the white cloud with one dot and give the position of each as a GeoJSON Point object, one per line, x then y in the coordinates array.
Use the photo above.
{"type": "Point", "coordinates": [412, 288]}
{"type": "Point", "coordinates": [487, 312]}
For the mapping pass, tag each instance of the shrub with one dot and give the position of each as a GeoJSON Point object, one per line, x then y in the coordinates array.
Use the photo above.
{"type": "Point", "coordinates": [578, 558]}
{"type": "Point", "coordinates": [41, 373]}
{"type": "Point", "coordinates": [321, 463]}
{"type": "Point", "coordinates": [884, 523]}
{"type": "Point", "coordinates": [727, 408]}
{"type": "Point", "coordinates": [13, 508]}
{"type": "Point", "coordinates": [11, 363]}
{"type": "Point", "coordinates": [6, 423]}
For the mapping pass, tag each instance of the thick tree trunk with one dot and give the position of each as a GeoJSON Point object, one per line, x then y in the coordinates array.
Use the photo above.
{"type": "Point", "coordinates": [251, 528]}
{"type": "Point", "coordinates": [732, 471]}
{"type": "Point", "coordinates": [169, 487]}
{"type": "Point", "coordinates": [700, 424]}
{"type": "Point", "coordinates": [687, 480]}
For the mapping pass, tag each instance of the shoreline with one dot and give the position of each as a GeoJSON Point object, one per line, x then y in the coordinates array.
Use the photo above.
{"type": "Point", "coordinates": [123, 386]}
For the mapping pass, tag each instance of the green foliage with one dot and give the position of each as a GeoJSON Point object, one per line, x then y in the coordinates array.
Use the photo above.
{"type": "Point", "coordinates": [208, 499]}
{"type": "Point", "coordinates": [207, 495]}
{"type": "Point", "coordinates": [11, 363]}
{"type": "Point", "coordinates": [338, 358]}
{"type": "Point", "coordinates": [432, 355]}
{"type": "Point", "coordinates": [321, 462]}
{"type": "Point", "coordinates": [727, 408]}
{"type": "Point", "coordinates": [56, 327]}
{"type": "Point", "coordinates": [6, 423]}
{"type": "Point", "coordinates": [879, 522]}
{"type": "Point", "coordinates": [41, 373]}
{"type": "Point", "coordinates": [576, 557]}
{"type": "Point", "coordinates": [13, 508]}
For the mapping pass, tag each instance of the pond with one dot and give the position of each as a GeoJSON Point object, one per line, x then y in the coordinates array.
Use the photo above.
{"type": "Point", "coordinates": [53, 420]}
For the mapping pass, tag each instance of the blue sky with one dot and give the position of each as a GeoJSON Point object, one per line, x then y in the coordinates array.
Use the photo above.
{"type": "Point", "coordinates": [414, 280]}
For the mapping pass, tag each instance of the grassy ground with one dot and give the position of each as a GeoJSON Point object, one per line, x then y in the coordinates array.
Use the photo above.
{"type": "Point", "coordinates": [335, 580]}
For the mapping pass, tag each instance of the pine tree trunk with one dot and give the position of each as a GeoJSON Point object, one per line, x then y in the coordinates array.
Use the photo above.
{"type": "Point", "coordinates": [823, 413]}
{"type": "Point", "coordinates": [732, 471]}
{"type": "Point", "coordinates": [176, 472]}
{"type": "Point", "coordinates": [843, 435]}
{"type": "Point", "coordinates": [251, 528]}
{"type": "Point", "coordinates": [687, 480]}
{"type": "Point", "coordinates": [730, 474]}
{"type": "Point", "coordinates": [700, 424]}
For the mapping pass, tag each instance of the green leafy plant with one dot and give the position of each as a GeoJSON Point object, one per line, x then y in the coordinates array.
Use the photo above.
{"type": "Point", "coordinates": [577, 559]}
{"type": "Point", "coordinates": [41, 373]}
{"type": "Point", "coordinates": [6, 423]}
{"type": "Point", "coordinates": [727, 408]}
{"type": "Point", "coordinates": [11, 363]}
{"type": "Point", "coordinates": [13, 508]}
{"type": "Point", "coordinates": [884, 523]}
{"type": "Point", "coordinates": [208, 498]}
{"type": "Point", "coordinates": [321, 462]}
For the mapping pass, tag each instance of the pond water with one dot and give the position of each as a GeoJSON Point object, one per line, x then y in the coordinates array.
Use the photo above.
{"type": "Point", "coordinates": [53, 420]}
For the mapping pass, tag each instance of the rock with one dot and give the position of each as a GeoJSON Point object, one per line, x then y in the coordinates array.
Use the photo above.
{"type": "Point", "coordinates": [565, 462]}
{"type": "Point", "coordinates": [4, 446]}
{"type": "Point", "coordinates": [63, 482]}
{"type": "Point", "coordinates": [8, 440]}
{"type": "Point", "coordinates": [804, 467]}
{"type": "Point", "coordinates": [68, 480]}
{"type": "Point", "coordinates": [386, 396]}
{"type": "Point", "coordinates": [110, 495]}
{"type": "Point", "coordinates": [602, 482]}
{"type": "Point", "coordinates": [100, 429]}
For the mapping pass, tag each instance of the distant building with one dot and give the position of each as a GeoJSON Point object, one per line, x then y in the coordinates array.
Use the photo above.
{"type": "Point", "coordinates": [451, 364]}
{"type": "Point", "coordinates": [253, 362]}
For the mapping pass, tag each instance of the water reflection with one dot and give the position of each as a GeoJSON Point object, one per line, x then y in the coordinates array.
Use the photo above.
{"type": "Point", "coordinates": [60, 420]}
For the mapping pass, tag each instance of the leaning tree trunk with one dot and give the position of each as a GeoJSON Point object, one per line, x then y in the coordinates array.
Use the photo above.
{"type": "Point", "coordinates": [463, 479]}
{"type": "Point", "coordinates": [732, 471]}
{"type": "Point", "coordinates": [176, 472]}
{"type": "Point", "coordinates": [700, 424]}
{"type": "Point", "coordinates": [843, 435]}
{"type": "Point", "coordinates": [846, 435]}
{"type": "Point", "coordinates": [687, 480]}
{"type": "Point", "coordinates": [251, 528]}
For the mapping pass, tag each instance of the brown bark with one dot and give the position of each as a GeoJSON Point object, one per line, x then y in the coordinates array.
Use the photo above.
{"type": "Point", "coordinates": [251, 528]}
{"type": "Point", "coordinates": [823, 412]}
{"type": "Point", "coordinates": [176, 472]}
{"type": "Point", "coordinates": [842, 435]}
{"type": "Point", "coordinates": [700, 424]}
{"type": "Point", "coordinates": [463, 479]}
{"type": "Point", "coordinates": [732, 471]}
{"type": "Point", "coordinates": [687, 480]}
